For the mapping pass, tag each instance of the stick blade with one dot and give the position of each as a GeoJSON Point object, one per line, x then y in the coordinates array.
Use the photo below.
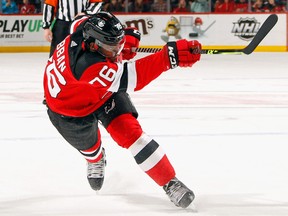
{"type": "Point", "coordinates": [262, 32]}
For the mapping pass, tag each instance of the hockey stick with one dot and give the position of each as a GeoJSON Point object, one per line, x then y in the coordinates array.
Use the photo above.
{"type": "Point", "coordinates": [260, 35]}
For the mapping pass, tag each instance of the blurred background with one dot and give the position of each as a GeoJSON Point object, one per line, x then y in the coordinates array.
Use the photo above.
{"type": "Point", "coordinates": [162, 6]}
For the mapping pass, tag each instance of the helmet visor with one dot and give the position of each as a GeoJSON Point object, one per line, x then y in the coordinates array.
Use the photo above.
{"type": "Point", "coordinates": [110, 50]}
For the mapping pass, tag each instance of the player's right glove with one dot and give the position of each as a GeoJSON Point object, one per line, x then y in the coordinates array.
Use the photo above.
{"type": "Point", "coordinates": [182, 53]}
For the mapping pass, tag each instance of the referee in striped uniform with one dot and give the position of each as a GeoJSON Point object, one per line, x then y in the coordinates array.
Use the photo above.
{"type": "Point", "coordinates": [64, 11]}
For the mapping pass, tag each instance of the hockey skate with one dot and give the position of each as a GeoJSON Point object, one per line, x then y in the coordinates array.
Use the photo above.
{"type": "Point", "coordinates": [178, 193]}
{"type": "Point", "coordinates": [96, 171]}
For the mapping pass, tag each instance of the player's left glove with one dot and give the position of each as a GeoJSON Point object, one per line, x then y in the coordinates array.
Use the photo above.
{"type": "Point", "coordinates": [132, 39]}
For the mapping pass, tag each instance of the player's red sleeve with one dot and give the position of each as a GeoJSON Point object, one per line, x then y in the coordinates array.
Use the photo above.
{"type": "Point", "coordinates": [181, 53]}
{"type": "Point", "coordinates": [149, 68]}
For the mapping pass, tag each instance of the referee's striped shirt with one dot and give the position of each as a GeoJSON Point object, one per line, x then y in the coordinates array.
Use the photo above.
{"type": "Point", "coordinates": [66, 10]}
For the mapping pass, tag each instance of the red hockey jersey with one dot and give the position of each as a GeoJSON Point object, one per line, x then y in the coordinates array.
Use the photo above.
{"type": "Point", "coordinates": [77, 82]}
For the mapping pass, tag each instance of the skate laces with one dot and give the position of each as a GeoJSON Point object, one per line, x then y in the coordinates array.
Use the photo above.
{"type": "Point", "coordinates": [96, 170]}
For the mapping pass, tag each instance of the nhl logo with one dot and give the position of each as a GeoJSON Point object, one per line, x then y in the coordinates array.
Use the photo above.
{"type": "Point", "coordinates": [246, 28]}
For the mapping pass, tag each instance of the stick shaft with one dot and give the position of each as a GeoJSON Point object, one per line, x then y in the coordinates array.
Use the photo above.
{"type": "Point", "coordinates": [260, 35]}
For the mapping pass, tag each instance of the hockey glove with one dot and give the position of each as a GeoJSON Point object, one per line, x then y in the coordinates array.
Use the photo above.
{"type": "Point", "coordinates": [183, 53]}
{"type": "Point", "coordinates": [132, 39]}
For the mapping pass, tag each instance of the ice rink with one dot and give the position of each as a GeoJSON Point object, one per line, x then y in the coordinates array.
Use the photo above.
{"type": "Point", "coordinates": [223, 124]}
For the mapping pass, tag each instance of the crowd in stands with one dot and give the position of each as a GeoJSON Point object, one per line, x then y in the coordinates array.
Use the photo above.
{"type": "Point", "coordinates": [231, 6]}
{"type": "Point", "coordinates": [21, 6]}
{"type": "Point", "coordinates": [196, 6]}
{"type": "Point", "coordinates": [159, 6]}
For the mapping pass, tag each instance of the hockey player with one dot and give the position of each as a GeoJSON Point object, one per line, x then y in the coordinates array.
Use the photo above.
{"type": "Point", "coordinates": [86, 82]}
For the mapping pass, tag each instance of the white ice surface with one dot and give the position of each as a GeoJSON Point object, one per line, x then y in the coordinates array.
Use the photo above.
{"type": "Point", "coordinates": [223, 125]}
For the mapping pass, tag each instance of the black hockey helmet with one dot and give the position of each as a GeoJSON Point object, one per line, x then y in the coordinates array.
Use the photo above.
{"type": "Point", "coordinates": [106, 31]}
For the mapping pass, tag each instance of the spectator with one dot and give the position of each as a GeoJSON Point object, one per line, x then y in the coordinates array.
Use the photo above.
{"type": "Point", "coordinates": [182, 7]}
{"type": "Point", "coordinates": [241, 6]}
{"type": "Point", "coordinates": [9, 7]}
{"type": "Point", "coordinates": [263, 6]}
{"type": "Point", "coordinates": [114, 6]}
{"type": "Point", "coordinates": [280, 7]}
{"type": "Point", "coordinates": [139, 6]}
{"type": "Point", "coordinates": [159, 6]}
{"type": "Point", "coordinates": [224, 6]}
{"type": "Point", "coordinates": [268, 5]}
{"type": "Point", "coordinates": [174, 4]}
{"type": "Point", "coordinates": [27, 8]}
{"type": "Point", "coordinates": [257, 6]}
{"type": "Point", "coordinates": [37, 4]}
{"type": "Point", "coordinates": [199, 6]}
